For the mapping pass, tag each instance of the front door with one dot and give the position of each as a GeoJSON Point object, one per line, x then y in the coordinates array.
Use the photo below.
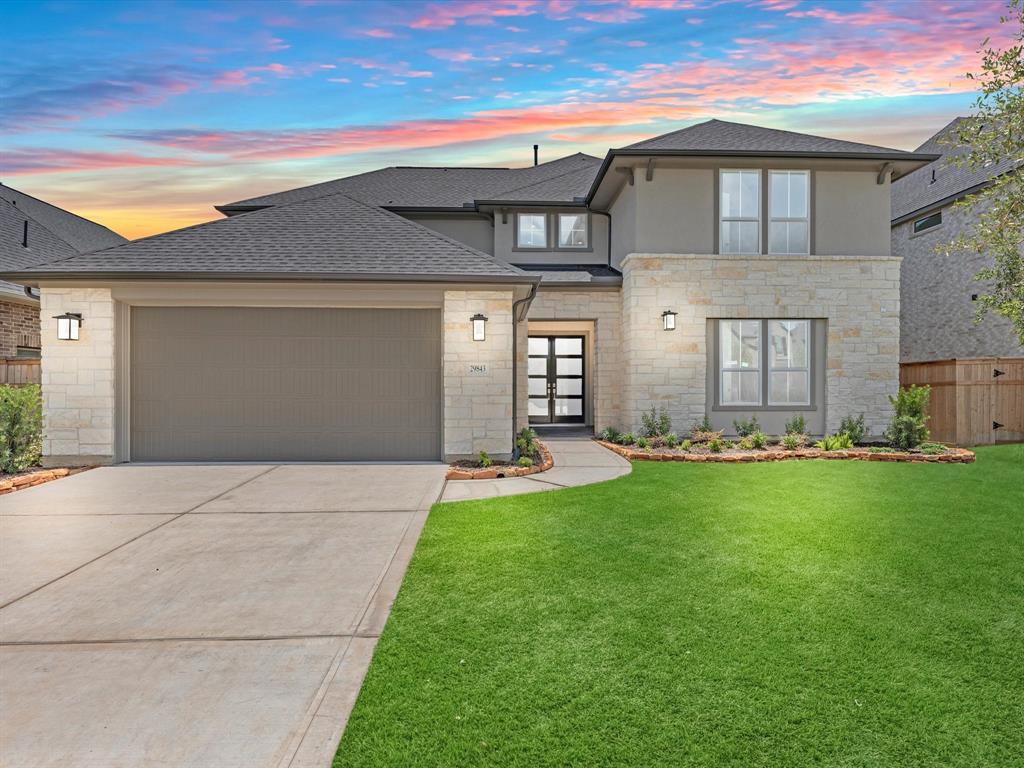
{"type": "Point", "coordinates": [556, 380]}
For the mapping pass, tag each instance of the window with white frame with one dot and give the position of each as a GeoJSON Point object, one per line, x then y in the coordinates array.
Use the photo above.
{"type": "Point", "coordinates": [789, 229]}
{"type": "Point", "coordinates": [740, 356]}
{"type": "Point", "coordinates": [739, 211]}
{"type": "Point", "coordinates": [789, 373]}
{"type": "Point", "coordinates": [572, 230]}
{"type": "Point", "coordinates": [531, 230]}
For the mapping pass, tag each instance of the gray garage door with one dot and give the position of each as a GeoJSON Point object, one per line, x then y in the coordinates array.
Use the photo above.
{"type": "Point", "coordinates": [257, 384]}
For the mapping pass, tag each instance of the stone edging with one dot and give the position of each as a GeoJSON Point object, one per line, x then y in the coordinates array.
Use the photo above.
{"type": "Point", "coordinates": [17, 483]}
{"type": "Point", "coordinates": [958, 455]}
{"type": "Point", "coordinates": [490, 473]}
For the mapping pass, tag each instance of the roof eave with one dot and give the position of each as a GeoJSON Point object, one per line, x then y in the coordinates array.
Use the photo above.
{"type": "Point", "coordinates": [905, 217]}
{"type": "Point", "coordinates": [533, 203]}
{"type": "Point", "coordinates": [35, 277]}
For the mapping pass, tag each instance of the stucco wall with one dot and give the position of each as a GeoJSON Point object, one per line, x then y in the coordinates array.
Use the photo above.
{"type": "Point", "coordinates": [78, 378]}
{"type": "Point", "coordinates": [936, 310]}
{"type": "Point", "coordinates": [477, 403]}
{"type": "Point", "coordinates": [504, 241]}
{"type": "Point", "coordinates": [676, 211]}
{"type": "Point", "coordinates": [474, 231]}
{"type": "Point", "coordinates": [858, 297]}
{"type": "Point", "coordinates": [18, 321]}
{"type": "Point", "coordinates": [851, 213]}
{"type": "Point", "coordinates": [623, 212]}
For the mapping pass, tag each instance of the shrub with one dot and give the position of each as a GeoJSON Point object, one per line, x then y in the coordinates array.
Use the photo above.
{"type": "Point", "coordinates": [526, 442]}
{"type": "Point", "coordinates": [854, 427]}
{"type": "Point", "coordinates": [759, 440]}
{"type": "Point", "coordinates": [484, 460]}
{"type": "Point", "coordinates": [745, 443]}
{"type": "Point", "coordinates": [879, 449]}
{"type": "Point", "coordinates": [671, 439]}
{"type": "Point", "coordinates": [656, 423]}
{"type": "Point", "coordinates": [793, 442]}
{"type": "Point", "coordinates": [685, 445]}
{"type": "Point", "coordinates": [699, 436]}
{"type": "Point", "coordinates": [627, 439]}
{"type": "Point", "coordinates": [704, 425]}
{"type": "Point", "coordinates": [746, 427]}
{"type": "Point", "coordinates": [908, 426]}
{"type": "Point", "coordinates": [610, 435]}
{"type": "Point", "coordinates": [643, 442]}
{"type": "Point", "coordinates": [932, 449]}
{"type": "Point", "coordinates": [21, 428]}
{"type": "Point", "coordinates": [525, 461]}
{"type": "Point", "coordinates": [837, 442]}
{"type": "Point", "coordinates": [716, 445]}
{"type": "Point", "coordinates": [796, 425]}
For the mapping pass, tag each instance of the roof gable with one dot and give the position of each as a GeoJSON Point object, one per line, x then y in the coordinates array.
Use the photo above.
{"type": "Point", "coordinates": [78, 232]}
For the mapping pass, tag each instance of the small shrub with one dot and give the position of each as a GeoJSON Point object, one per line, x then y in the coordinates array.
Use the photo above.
{"type": "Point", "coordinates": [21, 428]}
{"type": "Point", "coordinates": [745, 443]}
{"type": "Point", "coordinates": [854, 427]}
{"type": "Point", "coordinates": [746, 427]}
{"type": "Point", "coordinates": [932, 449]}
{"type": "Point", "coordinates": [685, 445]}
{"type": "Point", "coordinates": [704, 437]}
{"type": "Point", "coordinates": [704, 425]}
{"type": "Point", "coordinates": [526, 442]}
{"type": "Point", "coordinates": [656, 423]}
{"type": "Point", "coordinates": [880, 449]}
{"type": "Point", "coordinates": [525, 461]}
{"type": "Point", "coordinates": [610, 435]}
{"type": "Point", "coordinates": [643, 442]}
{"type": "Point", "coordinates": [671, 439]}
{"type": "Point", "coordinates": [716, 445]}
{"type": "Point", "coordinates": [837, 442]}
{"type": "Point", "coordinates": [664, 421]}
{"type": "Point", "coordinates": [796, 425]}
{"type": "Point", "coordinates": [908, 427]}
{"type": "Point", "coordinates": [759, 440]}
{"type": "Point", "coordinates": [627, 439]}
{"type": "Point", "coordinates": [484, 460]}
{"type": "Point", "coordinates": [793, 442]}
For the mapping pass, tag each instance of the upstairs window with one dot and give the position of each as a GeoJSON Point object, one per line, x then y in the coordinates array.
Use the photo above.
{"type": "Point", "coordinates": [789, 223]}
{"type": "Point", "coordinates": [572, 230]}
{"type": "Point", "coordinates": [531, 230]}
{"type": "Point", "coordinates": [932, 220]}
{"type": "Point", "coordinates": [740, 212]}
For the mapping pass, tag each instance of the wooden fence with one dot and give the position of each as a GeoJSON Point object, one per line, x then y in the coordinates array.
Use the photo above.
{"type": "Point", "coordinates": [974, 402]}
{"type": "Point", "coordinates": [19, 370]}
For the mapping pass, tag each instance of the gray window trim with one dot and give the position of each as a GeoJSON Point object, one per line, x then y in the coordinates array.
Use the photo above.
{"type": "Point", "coordinates": [771, 369]}
{"type": "Point", "coordinates": [547, 231]}
{"type": "Point", "coordinates": [926, 230]}
{"type": "Point", "coordinates": [558, 231]}
{"type": "Point", "coordinates": [768, 215]}
{"type": "Point", "coordinates": [718, 210]}
{"type": "Point", "coordinates": [551, 231]}
{"type": "Point", "coordinates": [717, 226]}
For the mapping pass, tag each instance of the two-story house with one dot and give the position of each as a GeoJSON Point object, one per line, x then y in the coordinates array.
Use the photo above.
{"type": "Point", "coordinates": [722, 270]}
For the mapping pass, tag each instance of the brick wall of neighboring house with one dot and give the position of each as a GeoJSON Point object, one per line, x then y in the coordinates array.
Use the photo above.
{"type": "Point", "coordinates": [19, 323]}
{"type": "Point", "coordinates": [936, 310]}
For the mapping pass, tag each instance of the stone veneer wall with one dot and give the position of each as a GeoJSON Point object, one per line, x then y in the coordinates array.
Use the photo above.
{"type": "Point", "coordinates": [78, 378]}
{"type": "Point", "coordinates": [857, 295]}
{"type": "Point", "coordinates": [17, 320]}
{"type": "Point", "coordinates": [477, 406]}
{"type": "Point", "coordinates": [604, 308]}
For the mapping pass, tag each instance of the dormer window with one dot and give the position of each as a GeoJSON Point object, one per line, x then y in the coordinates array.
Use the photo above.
{"type": "Point", "coordinates": [531, 230]}
{"type": "Point", "coordinates": [572, 230]}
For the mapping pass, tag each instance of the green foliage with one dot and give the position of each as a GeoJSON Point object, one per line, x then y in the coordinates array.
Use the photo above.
{"type": "Point", "coordinates": [879, 449]}
{"type": "Point", "coordinates": [854, 427]}
{"type": "Point", "coordinates": [793, 441]}
{"type": "Point", "coordinates": [716, 445]}
{"type": "Point", "coordinates": [671, 439]}
{"type": "Point", "coordinates": [484, 460]}
{"type": "Point", "coordinates": [656, 423]}
{"type": "Point", "coordinates": [796, 425]}
{"type": "Point", "coordinates": [746, 427]}
{"type": "Point", "coordinates": [685, 445]}
{"type": "Point", "coordinates": [704, 425]}
{"type": "Point", "coordinates": [932, 449]}
{"type": "Point", "coordinates": [759, 440]}
{"type": "Point", "coordinates": [992, 135]}
{"type": "Point", "coordinates": [745, 443]}
{"type": "Point", "coordinates": [21, 428]}
{"type": "Point", "coordinates": [610, 435]}
{"type": "Point", "coordinates": [643, 442]}
{"type": "Point", "coordinates": [837, 442]}
{"type": "Point", "coordinates": [908, 426]}
{"type": "Point", "coordinates": [627, 439]}
{"type": "Point", "coordinates": [526, 442]}
{"type": "Point", "coordinates": [525, 461]}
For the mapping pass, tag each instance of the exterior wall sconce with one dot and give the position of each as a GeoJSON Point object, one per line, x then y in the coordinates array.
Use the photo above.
{"type": "Point", "coordinates": [68, 325]}
{"type": "Point", "coordinates": [668, 320]}
{"type": "Point", "coordinates": [479, 327]}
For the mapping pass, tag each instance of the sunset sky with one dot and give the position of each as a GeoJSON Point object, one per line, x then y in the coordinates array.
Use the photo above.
{"type": "Point", "coordinates": [143, 115]}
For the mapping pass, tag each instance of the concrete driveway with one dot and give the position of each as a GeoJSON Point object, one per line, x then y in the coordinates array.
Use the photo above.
{"type": "Point", "coordinates": [208, 616]}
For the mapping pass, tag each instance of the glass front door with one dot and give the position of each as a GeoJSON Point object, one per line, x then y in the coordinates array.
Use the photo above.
{"type": "Point", "coordinates": [556, 380]}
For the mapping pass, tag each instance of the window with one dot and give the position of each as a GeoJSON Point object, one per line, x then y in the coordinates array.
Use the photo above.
{"type": "Point", "coordinates": [572, 230]}
{"type": "Point", "coordinates": [788, 221]}
{"type": "Point", "coordinates": [789, 377]}
{"type": "Point", "coordinates": [532, 230]}
{"type": "Point", "coordinates": [740, 212]}
{"type": "Point", "coordinates": [928, 222]}
{"type": "Point", "coordinates": [740, 343]}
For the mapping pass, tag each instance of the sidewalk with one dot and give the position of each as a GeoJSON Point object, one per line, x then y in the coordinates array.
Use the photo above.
{"type": "Point", "coordinates": [578, 461]}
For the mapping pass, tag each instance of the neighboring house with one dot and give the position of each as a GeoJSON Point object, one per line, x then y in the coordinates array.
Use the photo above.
{"type": "Point", "coordinates": [33, 232]}
{"type": "Point", "coordinates": [937, 308]}
{"type": "Point", "coordinates": [722, 270]}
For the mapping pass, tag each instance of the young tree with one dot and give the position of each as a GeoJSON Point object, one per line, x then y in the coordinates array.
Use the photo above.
{"type": "Point", "coordinates": [994, 133]}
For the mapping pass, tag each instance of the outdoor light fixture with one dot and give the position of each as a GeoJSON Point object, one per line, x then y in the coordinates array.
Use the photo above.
{"type": "Point", "coordinates": [479, 323]}
{"type": "Point", "coordinates": [668, 320]}
{"type": "Point", "coordinates": [68, 325]}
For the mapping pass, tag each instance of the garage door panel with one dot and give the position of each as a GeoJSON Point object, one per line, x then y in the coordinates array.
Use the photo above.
{"type": "Point", "coordinates": [259, 384]}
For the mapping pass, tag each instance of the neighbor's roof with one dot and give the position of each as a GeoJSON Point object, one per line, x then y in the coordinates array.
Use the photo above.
{"type": "Point", "coordinates": [332, 238]}
{"type": "Point", "coordinates": [43, 245]}
{"type": "Point", "coordinates": [79, 233]}
{"type": "Point", "coordinates": [916, 192]}
{"type": "Point", "coordinates": [402, 187]}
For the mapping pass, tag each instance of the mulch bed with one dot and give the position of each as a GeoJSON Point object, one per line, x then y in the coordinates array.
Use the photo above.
{"type": "Point", "coordinates": [464, 470]}
{"type": "Point", "coordinates": [777, 453]}
{"type": "Point", "coordinates": [33, 477]}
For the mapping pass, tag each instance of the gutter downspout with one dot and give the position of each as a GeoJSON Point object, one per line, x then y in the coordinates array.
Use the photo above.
{"type": "Point", "coordinates": [28, 292]}
{"type": "Point", "coordinates": [606, 213]}
{"type": "Point", "coordinates": [515, 359]}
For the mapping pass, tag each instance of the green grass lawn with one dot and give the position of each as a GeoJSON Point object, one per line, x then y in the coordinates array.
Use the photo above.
{"type": "Point", "coordinates": [794, 614]}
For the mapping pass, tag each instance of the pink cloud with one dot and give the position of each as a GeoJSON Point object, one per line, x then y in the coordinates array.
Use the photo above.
{"type": "Point", "coordinates": [377, 32]}
{"type": "Point", "coordinates": [396, 68]}
{"type": "Point", "coordinates": [19, 162]}
{"type": "Point", "coordinates": [446, 54]}
{"type": "Point", "coordinates": [442, 16]}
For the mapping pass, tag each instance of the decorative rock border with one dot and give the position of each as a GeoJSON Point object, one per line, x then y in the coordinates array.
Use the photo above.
{"type": "Point", "coordinates": [957, 455]}
{"type": "Point", "coordinates": [18, 482]}
{"type": "Point", "coordinates": [491, 473]}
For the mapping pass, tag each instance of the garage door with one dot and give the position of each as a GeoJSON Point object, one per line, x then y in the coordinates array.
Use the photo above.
{"type": "Point", "coordinates": [288, 384]}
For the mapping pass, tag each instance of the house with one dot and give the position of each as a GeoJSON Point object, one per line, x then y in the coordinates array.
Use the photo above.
{"type": "Point", "coordinates": [940, 342]}
{"type": "Point", "coordinates": [32, 232]}
{"type": "Point", "coordinates": [722, 270]}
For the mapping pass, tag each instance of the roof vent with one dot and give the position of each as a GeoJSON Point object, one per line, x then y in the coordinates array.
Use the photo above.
{"type": "Point", "coordinates": [24, 234]}
{"type": "Point", "coordinates": [536, 148]}
{"type": "Point", "coordinates": [933, 177]}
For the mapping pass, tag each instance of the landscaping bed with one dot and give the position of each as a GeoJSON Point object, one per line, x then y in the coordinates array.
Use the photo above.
{"type": "Point", "coordinates": [471, 470]}
{"type": "Point", "coordinates": [778, 453]}
{"type": "Point", "coordinates": [33, 477]}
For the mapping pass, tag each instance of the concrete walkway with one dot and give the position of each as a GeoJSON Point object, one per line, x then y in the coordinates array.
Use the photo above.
{"type": "Point", "coordinates": [578, 461]}
{"type": "Point", "coordinates": [197, 615]}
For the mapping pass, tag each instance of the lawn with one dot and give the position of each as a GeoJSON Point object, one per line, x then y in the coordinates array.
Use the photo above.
{"type": "Point", "coordinates": [795, 614]}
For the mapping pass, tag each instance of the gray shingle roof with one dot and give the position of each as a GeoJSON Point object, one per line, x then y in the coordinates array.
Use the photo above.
{"type": "Point", "coordinates": [566, 187]}
{"type": "Point", "coordinates": [917, 191]}
{"type": "Point", "coordinates": [333, 237]}
{"type": "Point", "coordinates": [43, 245]}
{"type": "Point", "coordinates": [81, 234]}
{"type": "Point", "coordinates": [431, 187]}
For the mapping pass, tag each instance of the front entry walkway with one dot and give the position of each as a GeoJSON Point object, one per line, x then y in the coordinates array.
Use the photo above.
{"type": "Point", "coordinates": [197, 615]}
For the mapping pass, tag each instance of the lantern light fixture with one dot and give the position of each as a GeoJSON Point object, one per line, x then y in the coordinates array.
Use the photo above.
{"type": "Point", "coordinates": [668, 320]}
{"type": "Point", "coordinates": [68, 325]}
{"type": "Point", "coordinates": [479, 327]}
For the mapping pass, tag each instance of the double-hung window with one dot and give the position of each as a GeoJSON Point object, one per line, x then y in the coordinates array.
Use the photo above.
{"type": "Point", "coordinates": [788, 208]}
{"type": "Point", "coordinates": [740, 344]}
{"type": "Point", "coordinates": [764, 362]}
{"type": "Point", "coordinates": [739, 211]}
{"type": "Point", "coordinates": [572, 230]}
{"type": "Point", "coordinates": [531, 230]}
{"type": "Point", "coordinates": [789, 374]}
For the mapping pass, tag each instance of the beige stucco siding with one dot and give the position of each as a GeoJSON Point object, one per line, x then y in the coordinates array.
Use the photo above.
{"type": "Point", "coordinates": [676, 211]}
{"type": "Point", "coordinates": [475, 231]}
{"type": "Point", "coordinates": [851, 214]}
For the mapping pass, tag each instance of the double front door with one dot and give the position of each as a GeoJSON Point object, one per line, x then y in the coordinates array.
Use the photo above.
{"type": "Point", "coordinates": [556, 390]}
